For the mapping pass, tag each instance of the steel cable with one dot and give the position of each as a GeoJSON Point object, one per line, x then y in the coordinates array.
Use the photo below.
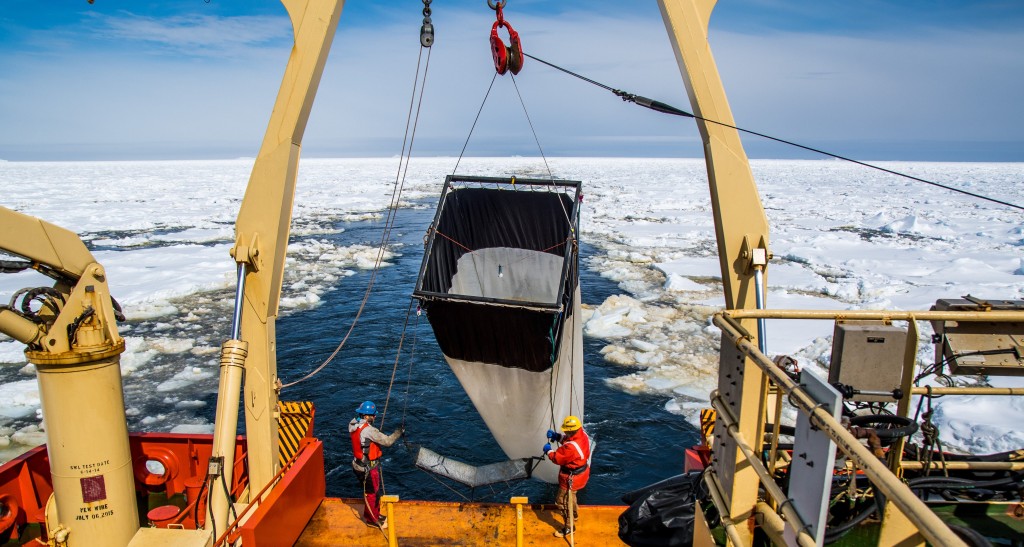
{"type": "Point", "coordinates": [668, 109]}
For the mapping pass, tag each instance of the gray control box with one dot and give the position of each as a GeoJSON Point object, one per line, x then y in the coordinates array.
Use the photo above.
{"type": "Point", "coordinates": [868, 355]}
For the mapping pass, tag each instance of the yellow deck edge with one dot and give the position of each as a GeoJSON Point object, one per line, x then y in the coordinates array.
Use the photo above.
{"type": "Point", "coordinates": [425, 523]}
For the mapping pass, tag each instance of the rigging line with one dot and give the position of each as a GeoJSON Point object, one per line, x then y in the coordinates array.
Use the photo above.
{"type": "Point", "coordinates": [398, 359]}
{"type": "Point", "coordinates": [415, 125]}
{"type": "Point", "coordinates": [542, 156]}
{"type": "Point", "coordinates": [446, 485]}
{"type": "Point", "coordinates": [534, 131]}
{"type": "Point", "coordinates": [400, 177]}
{"type": "Point", "coordinates": [395, 204]}
{"type": "Point", "coordinates": [468, 250]}
{"type": "Point", "coordinates": [668, 109]}
{"type": "Point", "coordinates": [488, 94]}
{"type": "Point", "coordinates": [861, 163]}
{"type": "Point", "coordinates": [572, 337]}
{"type": "Point", "coordinates": [551, 386]}
{"type": "Point", "coordinates": [412, 355]}
{"type": "Point", "coordinates": [389, 222]}
{"type": "Point", "coordinates": [584, 78]}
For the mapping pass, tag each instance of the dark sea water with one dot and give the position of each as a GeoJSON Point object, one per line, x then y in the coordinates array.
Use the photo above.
{"type": "Point", "coordinates": [638, 442]}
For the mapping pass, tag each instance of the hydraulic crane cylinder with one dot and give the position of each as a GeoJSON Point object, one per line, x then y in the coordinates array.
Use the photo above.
{"type": "Point", "coordinates": [87, 442]}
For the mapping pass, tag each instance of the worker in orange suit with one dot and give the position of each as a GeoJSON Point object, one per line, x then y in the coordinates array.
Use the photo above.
{"type": "Point", "coordinates": [573, 459]}
{"type": "Point", "coordinates": [367, 441]}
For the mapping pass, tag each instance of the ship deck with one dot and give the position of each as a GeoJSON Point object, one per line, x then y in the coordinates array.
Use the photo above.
{"type": "Point", "coordinates": [422, 523]}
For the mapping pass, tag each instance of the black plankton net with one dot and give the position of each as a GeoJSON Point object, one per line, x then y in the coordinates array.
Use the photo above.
{"type": "Point", "coordinates": [500, 286]}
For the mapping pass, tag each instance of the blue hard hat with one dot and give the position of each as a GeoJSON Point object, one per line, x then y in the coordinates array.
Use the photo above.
{"type": "Point", "coordinates": [367, 408]}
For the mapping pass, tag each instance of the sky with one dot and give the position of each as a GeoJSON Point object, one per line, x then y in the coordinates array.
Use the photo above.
{"type": "Point", "coordinates": [931, 80]}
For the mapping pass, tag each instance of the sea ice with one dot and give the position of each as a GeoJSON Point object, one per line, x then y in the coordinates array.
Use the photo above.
{"type": "Point", "coordinates": [649, 222]}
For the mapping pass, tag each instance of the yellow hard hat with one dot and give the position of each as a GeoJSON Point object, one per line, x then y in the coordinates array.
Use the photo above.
{"type": "Point", "coordinates": [571, 423]}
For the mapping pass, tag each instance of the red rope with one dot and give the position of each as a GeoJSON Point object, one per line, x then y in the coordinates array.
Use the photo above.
{"type": "Point", "coordinates": [440, 233]}
{"type": "Point", "coordinates": [553, 246]}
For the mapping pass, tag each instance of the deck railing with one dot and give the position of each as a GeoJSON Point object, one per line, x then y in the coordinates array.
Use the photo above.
{"type": "Point", "coordinates": [882, 475]}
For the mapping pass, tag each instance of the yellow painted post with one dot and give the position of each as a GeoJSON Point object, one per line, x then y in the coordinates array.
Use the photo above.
{"type": "Point", "coordinates": [897, 528]}
{"type": "Point", "coordinates": [519, 501]}
{"type": "Point", "coordinates": [389, 507]}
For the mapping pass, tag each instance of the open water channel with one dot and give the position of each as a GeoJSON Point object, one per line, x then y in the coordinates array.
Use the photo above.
{"type": "Point", "coordinates": [638, 442]}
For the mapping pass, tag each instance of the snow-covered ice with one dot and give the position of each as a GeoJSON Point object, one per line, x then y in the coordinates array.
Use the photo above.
{"type": "Point", "coordinates": [843, 237]}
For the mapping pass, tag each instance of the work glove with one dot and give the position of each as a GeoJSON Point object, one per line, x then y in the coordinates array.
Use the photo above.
{"type": "Point", "coordinates": [547, 448]}
{"type": "Point", "coordinates": [554, 437]}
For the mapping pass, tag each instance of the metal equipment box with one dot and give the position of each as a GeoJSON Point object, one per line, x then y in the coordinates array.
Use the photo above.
{"type": "Point", "coordinates": [980, 347]}
{"type": "Point", "coordinates": [868, 356]}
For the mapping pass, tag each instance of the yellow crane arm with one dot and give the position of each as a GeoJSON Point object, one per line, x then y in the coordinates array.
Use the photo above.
{"type": "Point", "coordinates": [84, 300]}
{"type": "Point", "coordinates": [741, 226]}
{"type": "Point", "coordinates": [741, 229]}
{"type": "Point", "coordinates": [261, 242]}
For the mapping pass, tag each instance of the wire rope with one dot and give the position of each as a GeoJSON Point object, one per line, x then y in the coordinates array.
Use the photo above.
{"type": "Point", "coordinates": [668, 109]}
{"type": "Point", "coordinates": [392, 208]}
{"type": "Point", "coordinates": [543, 157]}
{"type": "Point", "coordinates": [398, 359]}
{"type": "Point", "coordinates": [475, 120]}
{"type": "Point", "coordinates": [412, 355]}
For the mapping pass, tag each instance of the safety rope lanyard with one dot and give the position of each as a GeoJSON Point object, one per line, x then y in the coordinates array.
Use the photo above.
{"type": "Point", "coordinates": [426, 40]}
{"type": "Point", "coordinates": [669, 109]}
{"type": "Point", "coordinates": [932, 442]}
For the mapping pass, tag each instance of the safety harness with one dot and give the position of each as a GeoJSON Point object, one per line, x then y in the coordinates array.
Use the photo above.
{"type": "Point", "coordinates": [368, 453]}
{"type": "Point", "coordinates": [586, 461]}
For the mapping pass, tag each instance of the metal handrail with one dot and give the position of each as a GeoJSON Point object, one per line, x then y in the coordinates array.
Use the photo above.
{"type": "Point", "coordinates": [715, 490]}
{"type": "Point", "coordinates": [183, 513]}
{"type": "Point", "coordinates": [803, 538]}
{"type": "Point", "coordinates": [233, 527]}
{"type": "Point", "coordinates": [996, 316]}
{"type": "Point", "coordinates": [928, 523]}
{"type": "Point", "coordinates": [973, 390]}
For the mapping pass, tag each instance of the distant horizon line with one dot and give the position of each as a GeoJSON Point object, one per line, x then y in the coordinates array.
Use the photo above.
{"type": "Point", "coordinates": [511, 156]}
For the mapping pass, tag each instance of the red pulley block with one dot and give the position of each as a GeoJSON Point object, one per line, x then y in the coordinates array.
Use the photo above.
{"type": "Point", "coordinates": [506, 58]}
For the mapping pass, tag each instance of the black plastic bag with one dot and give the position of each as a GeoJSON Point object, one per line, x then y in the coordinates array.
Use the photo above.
{"type": "Point", "coordinates": [662, 514]}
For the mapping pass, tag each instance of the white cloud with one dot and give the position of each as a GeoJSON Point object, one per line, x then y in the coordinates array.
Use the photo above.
{"type": "Point", "coordinates": [196, 34]}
